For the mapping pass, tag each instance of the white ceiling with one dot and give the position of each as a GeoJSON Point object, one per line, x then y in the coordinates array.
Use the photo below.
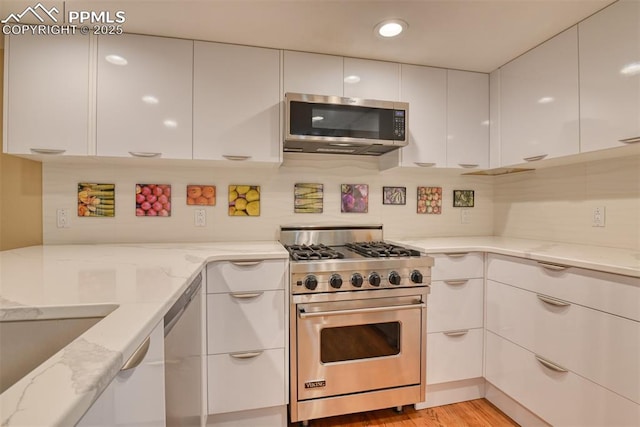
{"type": "Point", "coordinates": [476, 35]}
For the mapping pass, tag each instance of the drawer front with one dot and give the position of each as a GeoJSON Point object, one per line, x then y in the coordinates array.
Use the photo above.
{"type": "Point", "coordinates": [244, 276]}
{"type": "Point", "coordinates": [562, 399]}
{"type": "Point", "coordinates": [611, 293]}
{"type": "Point", "coordinates": [237, 384]}
{"type": "Point", "coordinates": [454, 356]}
{"type": "Point", "coordinates": [455, 304]}
{"type": "Point", "coordinates": [599, 346]}
{"type": "Point", "coordinates": [245, 321]}
{"type": "Point", "coordinates": [457, 266]}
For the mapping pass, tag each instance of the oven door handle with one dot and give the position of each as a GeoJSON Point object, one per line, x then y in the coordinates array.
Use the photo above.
{"type": "Point", "coordinates": [304, 315]}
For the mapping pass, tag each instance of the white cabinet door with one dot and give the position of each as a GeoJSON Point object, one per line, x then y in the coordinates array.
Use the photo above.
{"type": "Point", "coordinates": [239, 382]}
{"type": "Point", "coordinates": [610, 77]}
{"type": "Point", "coordinates": [454, 355]}
{"type": "Point", "coordinates": [236, 103]}
{"type": "Point", "coordinates": [539, 102]}
{"type": "Point", "coordinates": [455, 304]}
{"type": "Point", "coordinates": [245, 321]}
{"type": "Point", "coordinates": [135, 397]}
{"type": "Point", "coordinates": [313, 73]}
{"type": "Point", "coordinates": [144, 97]}
{"type": "Point", "coordinates": [364, 78]}
{"type": "Point", "coordinates": [467, 119]}
{"type": "Point", "coordinates": [246, 276]}
{"type": "Point", "coordinates": [425, 89]}
{"type": "Point", "coordinates": [47, 93]}
{"type": "Point", "coordinates": [559, 398]}
{"type": "Point", "coordinates": [606, 353]}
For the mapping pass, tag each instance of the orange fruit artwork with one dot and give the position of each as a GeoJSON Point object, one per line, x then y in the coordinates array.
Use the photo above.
{"type": "Point", "coordinates": [202, 195]}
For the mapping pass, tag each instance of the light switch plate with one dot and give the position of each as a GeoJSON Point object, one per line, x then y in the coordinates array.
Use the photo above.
{"type": "Point", "coordinates": [200, 218]}
{"type": "Point", "coordinates": [465, 216]}
{"type": "Point", "coordinates": [62, 218]}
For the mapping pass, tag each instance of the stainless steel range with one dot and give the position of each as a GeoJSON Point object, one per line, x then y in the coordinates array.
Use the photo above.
{"type": "Point", "coordinates": [358, 321]}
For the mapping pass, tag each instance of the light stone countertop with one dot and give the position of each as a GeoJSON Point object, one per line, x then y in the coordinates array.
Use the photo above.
{"type": "Point", "coordinates": [135, 284]}
{"type": "Point", "coordinates": [610, 260]}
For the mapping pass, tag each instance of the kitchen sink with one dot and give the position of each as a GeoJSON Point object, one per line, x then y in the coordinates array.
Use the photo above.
{"type": "Point", "coordinates": [25, 344]}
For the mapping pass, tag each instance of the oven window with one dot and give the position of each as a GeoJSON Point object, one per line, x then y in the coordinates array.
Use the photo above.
{"type": "Point", "coordinates": [359, 342]}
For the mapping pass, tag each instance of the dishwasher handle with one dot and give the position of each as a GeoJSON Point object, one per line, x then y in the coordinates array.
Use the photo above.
{"type": "Point", "coordinates": [177, 310]}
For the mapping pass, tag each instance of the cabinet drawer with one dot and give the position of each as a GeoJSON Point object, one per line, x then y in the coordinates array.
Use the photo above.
{"type": "Point", "coordinates": [457, 266]}
{"type": "Point", "coordinates": [243, 276]}
{"type": "Point", "coordinates": [596, 345]}
{"type": "Point", "coordinates": [455, 304]}
{"type": "Point", "coordinates": [238, 384]}
{"type": "Point", "coordinates": [611, 293]}
{"type": "Point", "coordinates": [560, 398]}
{"type": "Point", "coordinates": [245, 321]}
{"type": "Point", "coordinates": [453, 356]}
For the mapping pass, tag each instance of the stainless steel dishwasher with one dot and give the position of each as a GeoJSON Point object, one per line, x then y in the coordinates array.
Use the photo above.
{"type": "Point", "coordinates": [183, 358]}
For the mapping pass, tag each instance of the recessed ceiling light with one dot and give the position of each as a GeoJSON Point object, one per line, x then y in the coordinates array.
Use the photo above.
{"type": "Point", "coordinates": [390, 27]}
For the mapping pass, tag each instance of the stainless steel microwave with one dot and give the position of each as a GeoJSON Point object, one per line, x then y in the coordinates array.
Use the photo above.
{"type": "Point", "coordinates": [336, 125]}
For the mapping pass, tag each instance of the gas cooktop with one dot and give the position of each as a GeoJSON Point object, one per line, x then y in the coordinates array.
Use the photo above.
{"type": "Point", "coordinates": [347, 258]}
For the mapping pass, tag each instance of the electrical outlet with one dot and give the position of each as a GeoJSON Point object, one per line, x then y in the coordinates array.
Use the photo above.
{"type": "Point", "coordinates": [62, 218]}
{"type": "Point", "coordinates": [200, 218]}
{"type": "Point", "coordinates": [465, 216]}
{"type": "Point", "coordinates": [598, 216]}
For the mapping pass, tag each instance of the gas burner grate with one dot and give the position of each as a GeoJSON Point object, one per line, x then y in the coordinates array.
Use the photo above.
{"type": "Point", "coordinates": [381, 250]}
{"type": "Point", "coordinates": [312, 252]}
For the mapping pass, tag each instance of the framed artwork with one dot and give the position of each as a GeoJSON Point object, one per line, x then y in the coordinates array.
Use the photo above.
{"type": "Point", "coordinates": [354, 198]}
{"type": "Point", "coordinates": [153, 200]}
{"type": "Point", "coordinates": [429, 200]}
{"type": "Point", "coordinates": [308, 198]}
{"type": "Point", "coordinates": [201, 195]}
{"type": "Point", "coordinates": [244, 200]}
{"type": "Point", "coordinates": [96, 200]}
{"type": "Point", "coordinates": [394, 195]}
{"type": "Point", "coordinates": [463, 198]}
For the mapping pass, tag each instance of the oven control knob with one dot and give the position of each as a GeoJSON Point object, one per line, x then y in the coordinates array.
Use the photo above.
{"type": "Point", "coordinates": [335, 281]}
{"type": "Point", "coordinates": [416, 276]}
{"type": "Point", "coordinates": [374, 279]}
{"type": "Point", "coordinates": [310, 282]}
{"type": "Point", "coordinates": [357, 280]}
{"type": "Point", "coordinates": [394, 278]}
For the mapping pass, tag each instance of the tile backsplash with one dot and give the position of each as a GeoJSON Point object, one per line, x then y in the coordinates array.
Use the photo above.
{"type": "Point", "coordinates": [276, 201]}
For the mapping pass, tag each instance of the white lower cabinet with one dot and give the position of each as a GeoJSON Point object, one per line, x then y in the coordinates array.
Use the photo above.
{"type": "Point", "coordinates": [454, 355]}
{"type": "Point", "coordinates": [247, 339]}
{"type": "Point", "coordinates": [560, 398]}
{"type": "Point", "coordinates": [598, 346]}
{"type": "Point", "coordinates": [246, 380]}
{"type": "Point", "coordinates": [564, 342]}
{"type": "Point", "coordinates": [135, 397]}
{"type": "Point", "coordinates": [454, 329]}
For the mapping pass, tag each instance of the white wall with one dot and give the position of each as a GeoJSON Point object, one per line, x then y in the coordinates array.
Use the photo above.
{"type": "Point", "coordinates": [556, 203]}
{"type": "Point", "coordinates": [60, 182]}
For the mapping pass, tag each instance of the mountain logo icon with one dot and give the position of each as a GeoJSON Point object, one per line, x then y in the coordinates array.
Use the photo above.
{"type": "Point", "coordinates": [39, 11]}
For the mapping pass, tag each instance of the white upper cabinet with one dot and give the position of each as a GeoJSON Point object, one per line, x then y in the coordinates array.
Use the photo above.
{"type": "Point", "coordinates": [467, 119]}
{"type": "Point", "coordinates": [313, 73]}
{"type": "Point", "coordinates": [369, 79]}
{"type": "Point", "coordinates": [425, 89]}
{"type": "Point", "coordinates": [144, 96]}
{"type": "Point", "coordinates": [539, 102]}
{"type": "Point", "coordinates": [47, 94]}
{"type": "Point", "coordinates": [236, 98]}
{"type": "Point", "coordinates": [610, 77]}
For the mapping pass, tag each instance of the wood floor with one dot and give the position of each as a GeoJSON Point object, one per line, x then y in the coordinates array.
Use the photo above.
{"type": "Point", "coordinates": [474, 413]}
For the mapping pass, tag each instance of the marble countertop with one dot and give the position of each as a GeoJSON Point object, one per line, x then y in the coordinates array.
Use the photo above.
{"type": "Point", "coordinates": [610, 260]}
{"type": "Point", "coordinates": [133, 285]}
